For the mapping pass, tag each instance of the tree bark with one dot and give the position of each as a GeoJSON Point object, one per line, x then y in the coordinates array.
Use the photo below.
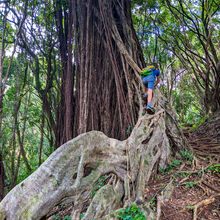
{"type": "Point", "coordinates": [69, 82]}
{"type": "Point", "coordinates": [42, 136]}
{"type": "Point", "coordinates": [64, 23]}
{"type": "Point", "coordinates": [107, 87]}
{"type": "Point", "coordinates": [2, 178]}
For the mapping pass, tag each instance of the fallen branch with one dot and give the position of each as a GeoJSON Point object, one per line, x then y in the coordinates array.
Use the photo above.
{"type": "Point", "coordinates": [211, 187]}
{"type": "Point", "coordinates": [159, 206]}
{"type": "Point", "coordinates": [193, 172]}
{"type": "Point", "coordinates": [203, 203]}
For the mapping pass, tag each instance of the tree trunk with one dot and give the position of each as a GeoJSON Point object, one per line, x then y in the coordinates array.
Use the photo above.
{"type": "Point", "coordinates": [41, 136]}
{"type": "Point", "coordinates": [107, 88]}
{"type": "Point", "coordinates": [2, 179]}
{"type": "Point", "coordinates": [64, 23]}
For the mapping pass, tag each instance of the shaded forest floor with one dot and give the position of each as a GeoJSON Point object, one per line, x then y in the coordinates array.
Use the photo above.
{"type": "Point", "coordinates": [195, 175]}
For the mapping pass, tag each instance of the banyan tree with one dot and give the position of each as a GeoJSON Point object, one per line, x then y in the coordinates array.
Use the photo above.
{"type": "Point", "coordinates": [108, 100]}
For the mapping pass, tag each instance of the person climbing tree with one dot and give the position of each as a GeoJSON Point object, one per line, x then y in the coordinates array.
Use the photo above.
{"type": "Point", "coordinates": [149, 75]}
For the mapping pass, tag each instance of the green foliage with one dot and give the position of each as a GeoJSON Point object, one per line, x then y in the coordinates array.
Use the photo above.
{"type": "Point", "coordinates": [131, 213]}
{"type": "Point", "coordinates": [183, 174]}
{"type": "Point", "coordinates": [190, 184]}
{"type": "Point", "coordinates": [81, 215]}
{"type": "Point", "coordinates": [174, 163]}
{"type": "Point", "coordinates": [190, 207]}
{"type": "Point", "coordinates": [215, 168]}
{"type": "Point", "coordinates": [153, 201]}
{"type": "Point", "coordinates": [186, 155]}
{"type": "Point", "coordinates": [55, 217]}
{"type": "Point", "coordinates": [29, 112]}
{"type": "Point", "coordinates": [148, 19]}
{"type": "Point", "coordinates": [199, 122]}
{"type": "Point", "coordinates": [99, 184]}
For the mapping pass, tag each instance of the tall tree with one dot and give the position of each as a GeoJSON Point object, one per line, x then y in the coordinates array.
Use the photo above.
{"type": "Point", "coordinates": [108, 57]}
{"type": "Point", "coordinates": [193, 39]}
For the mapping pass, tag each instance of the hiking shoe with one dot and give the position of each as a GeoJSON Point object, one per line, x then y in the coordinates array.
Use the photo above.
{"type": "Point", "coordinates": [150, 110]}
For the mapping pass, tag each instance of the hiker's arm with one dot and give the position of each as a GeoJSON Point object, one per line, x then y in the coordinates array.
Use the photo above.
{"type": "Point", "coordinates": [157, 81]}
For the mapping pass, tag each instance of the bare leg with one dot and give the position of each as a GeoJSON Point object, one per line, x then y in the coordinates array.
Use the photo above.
{"type": "Point", "coordinates": [149, 92]}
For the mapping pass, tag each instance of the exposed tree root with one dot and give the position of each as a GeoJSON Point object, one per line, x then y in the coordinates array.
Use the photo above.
{"type": "Point", "coordinates": [205, 141]}
{"type": "Point", "coordinates": [165, 195]}
{"type": "Point", "coordinates": [203, 203]}
{"type": "Point", "coordinates": [158, 207]}
{"type": "Point", "coordinates": [72, 171]}
{"type": "Point", "coordinates": [211, 187]}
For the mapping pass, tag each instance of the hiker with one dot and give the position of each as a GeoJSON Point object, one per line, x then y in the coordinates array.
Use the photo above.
{"type": "Point", "coordinates": [149, 75]}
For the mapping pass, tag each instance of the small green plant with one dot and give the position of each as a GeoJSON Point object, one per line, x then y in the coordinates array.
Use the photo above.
{"type": "Point", "coordinates": [67, 217]}
{"type": "Point", "coordinates": [161, 170]}
{"type": "Point", "coordinates": [182, 125]}
{"type": "Point", "coordinates": [99, 184]}
{"type": "Point", "coordinates": [186, 155]}
{"type": "Point", "coordinates": [153, 201]}
{"type": "Point", "coordinates": [183, 174]}
{"type": "Point", "coordinates": [56, 217]}
{"type": "Point", "coordinates": [190, 207]}
{"type": "Point", "coordinates": [190, 184]}
{"type": "Point", "coordinates": [173, 164]}
{"type": "Point", "coordinates": [131, 213]}
{"type": "Point", "coordinates": [215, 168]}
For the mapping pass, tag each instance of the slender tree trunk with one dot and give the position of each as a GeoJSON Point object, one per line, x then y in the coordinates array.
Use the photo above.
{"type": "Point", "coordinates": [42, 136]}
{"type": "Point", "coordinates": [21, 135]}
{"type": "Point", "coordinates": [69, 79]}
{"type": "Point", "coordinates": [13, 140]}
{"type": "Point", "coordinates": [15, 177]}
{"type": "Point", "coordinates": [1, 62]}
{"type": "Point", "coordinates": [64, 21]}
{"type": "Point", "coordinates": [2, 178]}
{"type": "Point", "coordinates": [2, 173]}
